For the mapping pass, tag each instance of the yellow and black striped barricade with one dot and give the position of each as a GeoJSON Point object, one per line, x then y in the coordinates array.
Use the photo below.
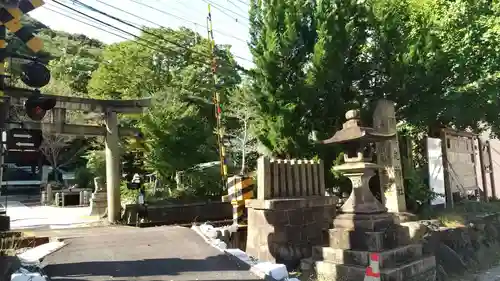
{"type": "Point", "coordinates": [240, 189]}
{"type": "Point", "coordinates": [11, 19]}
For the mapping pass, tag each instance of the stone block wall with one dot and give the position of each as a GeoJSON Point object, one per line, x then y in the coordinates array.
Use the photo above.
{"type": "Point", "coordinates": [181, 213]}
{"type": "Point", "coordinates": [285, 230]}
{"type": "Point", "coordinates": [459, 250]}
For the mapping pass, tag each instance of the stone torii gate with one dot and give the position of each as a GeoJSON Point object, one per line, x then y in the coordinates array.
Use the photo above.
{"type": "Point", "coordinates": [111, 131]}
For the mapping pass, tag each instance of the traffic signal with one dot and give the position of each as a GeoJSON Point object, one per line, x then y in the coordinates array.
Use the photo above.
{"type": "Point", "coordinates": [35, 74]}
{"type": "Point", "coordinates": [36, 106]}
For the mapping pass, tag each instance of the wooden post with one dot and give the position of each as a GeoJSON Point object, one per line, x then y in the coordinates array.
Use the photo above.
{"type": "Point", "coordinates": [482, 149]}
{"type": "Point", "coordinates": [492, 174]}
{"type": "Point", "coordinates": [446, 173]}
{"type": "Point", "coordinates": [263, 178]}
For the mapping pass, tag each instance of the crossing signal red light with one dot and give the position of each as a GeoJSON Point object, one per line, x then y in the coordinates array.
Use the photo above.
{"type": "Point", "coordinates": [37, 106]}
{"type": "Point", "coordinates": [35, 74]}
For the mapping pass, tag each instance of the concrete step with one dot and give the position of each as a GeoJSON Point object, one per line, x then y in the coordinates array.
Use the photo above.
{"type": "Point", "coordinates": [422, 269]}
{"type": "Point", "coordinates": [388, 259]}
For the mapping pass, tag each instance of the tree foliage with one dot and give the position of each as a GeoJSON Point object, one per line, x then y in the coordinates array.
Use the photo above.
{"type": "Point", "coordinates": [438, 60]}
{"type": "Point", "coordinates": [129, 70]}
{"type": "Point", "coordinates": [179, 126]}
{"type": "Point", "coordinates": [242, 150]}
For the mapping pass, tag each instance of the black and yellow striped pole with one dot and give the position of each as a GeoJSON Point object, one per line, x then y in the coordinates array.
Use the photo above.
{"type": "Point", "coordinates": [217, 101]}
{"type": "Point", "coordinates": [240, 189]}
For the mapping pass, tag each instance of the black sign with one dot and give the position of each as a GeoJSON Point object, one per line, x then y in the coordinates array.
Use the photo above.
{"type": "Point", "coordinates": [23, 139]}
{"type": "Point", "coordinates": [25, 158]}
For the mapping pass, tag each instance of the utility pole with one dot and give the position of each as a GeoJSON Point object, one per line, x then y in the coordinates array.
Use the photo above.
{"type": "Point", "coordinates": [218, 110]}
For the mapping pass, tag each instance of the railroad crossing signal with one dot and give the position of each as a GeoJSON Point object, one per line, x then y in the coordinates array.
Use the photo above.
{"type": "Point", "coordinates": [11, 19]}
{"type": "Point", "coordinates": [37, 106]}
{"type": "Point", "coordinates": [22, 139]}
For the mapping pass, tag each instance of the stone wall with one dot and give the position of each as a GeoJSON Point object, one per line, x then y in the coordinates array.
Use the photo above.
{"type": "Point", "coordinates": [460, 250]}
{"type": "Point", "coordinates": [181, 213]}
{"type": "Point", "coordinates": [285, 230]}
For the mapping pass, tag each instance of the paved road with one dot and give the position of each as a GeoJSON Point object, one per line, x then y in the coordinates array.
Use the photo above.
{"type": "Point", "coordinates": [127, 254]}
{"type": "Point", "coordinates": [23, 216]}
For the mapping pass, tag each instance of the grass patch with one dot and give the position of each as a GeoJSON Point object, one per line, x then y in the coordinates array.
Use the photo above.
{"type": "Point", "coordinates": [463, 212]}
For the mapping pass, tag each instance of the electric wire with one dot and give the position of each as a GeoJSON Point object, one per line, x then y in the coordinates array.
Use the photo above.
{"type": "Point", "coordinates": [237, 7]}
{"type": "Point", "coordinates": [89, 7]}
{"type": "Point", "coordinates": [129, 13]}
{"type": "Point", "coordinates": [107, 31]}
{"type": "Point", "coordinates": [162, 48]}
{"type": "Point", "coordinates": [63, 12]}
{"type": "Point", "coordinates": [185, 20]}
{"type": "Point", "coordinates": [89, 24]}
{"type": "Point", "coordinates": [223, 10]}
{"type": "Point", "coordinates": [242, 2]}
{"type": "Point", "coordinates": [131, 34]}
{"type": "Point", "coordinates": [217, 7]}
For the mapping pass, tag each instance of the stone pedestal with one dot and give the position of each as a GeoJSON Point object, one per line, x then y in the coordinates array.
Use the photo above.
{"type": "Point", "coordinates": [366, 227]}
{"type": "Point", "coordinates": [99, 199]}
{"type": "Point", "coordinates": [49, 196]}
{"type": "Point", "coordinates": [285, 230]}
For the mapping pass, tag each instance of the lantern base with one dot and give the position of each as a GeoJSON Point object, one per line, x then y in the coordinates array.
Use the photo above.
{"type": "Point", "coordinates": [365, 222]}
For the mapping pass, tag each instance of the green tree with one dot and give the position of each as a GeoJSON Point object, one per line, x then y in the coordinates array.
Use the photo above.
{"type": "Point", "coordinates": [179, 127]}
{"type": "Point", "coordinates": [178, 135]}
{"type": "Point", "coordinates": [438, 60]}
{"type": "Point", "coordinates": [130, 70]}
{"type": "Point", "coordinates": [338, 71]}
{"type": "Point", "coordinates": [242, 141]}
{"type": "Point", "coordinates": [74, 70]}
{"type": "Point", "coordinates": [281, 40]}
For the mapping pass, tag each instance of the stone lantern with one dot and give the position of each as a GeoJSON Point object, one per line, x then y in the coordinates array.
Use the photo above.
{"type": "Point", "coordinates": [365, 235]}
{"type": "Point", "coordinates": [361, 208]}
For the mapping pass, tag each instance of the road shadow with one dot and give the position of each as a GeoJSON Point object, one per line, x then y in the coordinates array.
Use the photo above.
{"type": "Point", "coordinates": [147, 267]}
{"type": "Point", "coordinates": [73, 279]}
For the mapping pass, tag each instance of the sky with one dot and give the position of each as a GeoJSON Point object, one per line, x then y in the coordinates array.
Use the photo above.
{"type": "Point", "coordinates": [229, 19]}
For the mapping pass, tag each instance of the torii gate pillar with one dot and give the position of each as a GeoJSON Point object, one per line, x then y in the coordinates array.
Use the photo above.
{"type": "Point", "coordinates": [112, 167]}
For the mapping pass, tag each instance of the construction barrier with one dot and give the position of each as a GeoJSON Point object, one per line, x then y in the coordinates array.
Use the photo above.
{"type": "Point", "coordinates": [373, 271]}
{"type": "Point", "coordinates": [240, 189]}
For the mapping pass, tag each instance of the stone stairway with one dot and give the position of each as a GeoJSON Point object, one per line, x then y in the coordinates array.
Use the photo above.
{"type": "Point", "coordinates": [347, 255]}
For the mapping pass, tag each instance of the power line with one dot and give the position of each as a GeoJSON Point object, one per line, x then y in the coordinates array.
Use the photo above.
{"type": "Point", "coordinates": [184, 19]}
{"type": "Point", "coordinates": [237, 7]}
{"type": "Point", "coordinates": [107, 31]}
{"type": "Point", "coordinates": [134, 26]}
{"type": "Point", "coordinates": [162, 48]}
{"type": "Point", "coordinates": [86, 23]}
{"type": "Point", "coordinates": [63, 12]}
{"type": "Point", "coordinates": [128, 13]}
{"type": "Point", "coordinates": [143, 30]}
{"type": "Point", "coordinates": [242, 2]}
{"type": "Point", "coordinates": [83, 16]}
{"type": "Point", "coordinates": [126, 32]}
{"type": "Point", "coordinates": [223, 9]}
